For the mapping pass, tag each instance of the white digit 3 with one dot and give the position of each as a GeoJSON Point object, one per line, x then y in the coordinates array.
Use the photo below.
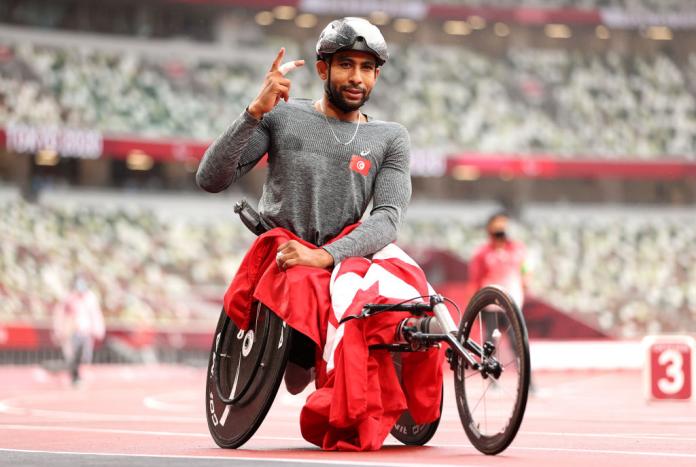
{"type": "Point", "coordinates": [675, 374]}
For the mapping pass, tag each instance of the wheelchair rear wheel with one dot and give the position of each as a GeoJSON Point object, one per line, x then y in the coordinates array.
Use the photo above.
{"type": "Point", "coordinates": [244, 373]}
{"type": "Point", "coordinates": [406, 429]}
{"type": "Point", "coordinates": [491, 403]}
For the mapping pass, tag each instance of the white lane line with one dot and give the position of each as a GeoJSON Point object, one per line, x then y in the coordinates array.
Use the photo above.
{"type": "Point", "coordinates": [685, 455]}
{"type": "Point", "coordinates": [100, 430]}
{"type": "Point", "coordinates": [105, 417]}
{"type": "Point", "coordinates": [156, 402]}
{"type": "Point", "coordinates": [664, 437]}
{"type": "Point", "coordinates": [682, 455]}
{"type": "Point", "coordinates": [226, 458]}
{"type": "Point", "coordinates": [131, 432]}
{"type": "Point", "coordinates": [98, 417]}
{"type": "Point", "coordinates": [294, 438]}
{"type": "Point", "coordinates": [5, 407]}
{"type": "Point", "coordinates": [567, 434]}
{"type": "Point", "coordinates": [452, 416]}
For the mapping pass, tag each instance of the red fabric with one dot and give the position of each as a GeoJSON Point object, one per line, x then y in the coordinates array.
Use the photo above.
{"type": "Point", "coordinates": [259, 279]}
{"type": "Point", "coordinates": [499, 265]}
{"type": "Point", "coordinates": [359, 397]}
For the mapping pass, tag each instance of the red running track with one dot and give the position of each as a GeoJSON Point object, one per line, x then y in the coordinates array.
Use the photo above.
{"type": "Point", "coordinates": [574, 418]}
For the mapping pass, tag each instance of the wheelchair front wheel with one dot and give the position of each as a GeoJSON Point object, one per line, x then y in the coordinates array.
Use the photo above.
{"type": "Point", "coordinates": [244, 373]}
{"type": "Point", "coordinates": [492, 402]}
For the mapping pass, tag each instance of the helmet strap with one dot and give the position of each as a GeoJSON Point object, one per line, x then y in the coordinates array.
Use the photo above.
{"type": "Point", "coordinates": [329, 90]}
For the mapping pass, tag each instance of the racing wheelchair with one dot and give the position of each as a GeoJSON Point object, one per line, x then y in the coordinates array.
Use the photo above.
{"type": "Point", "coordinates": [488, 353]}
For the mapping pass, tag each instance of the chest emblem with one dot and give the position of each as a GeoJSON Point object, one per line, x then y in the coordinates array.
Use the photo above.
{"type": "Point", "coordinates": [360, 164]}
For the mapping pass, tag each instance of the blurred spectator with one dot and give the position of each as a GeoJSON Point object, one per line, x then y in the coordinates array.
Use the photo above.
{"type": "Point", "coordinates": [653, 6]}
{"type": "Point", "coordinates": [561, 101]}
{"type": "Point", "coordinates": [148, 271]}
{"type": "Point", "coordinates": [501, 261]}
{"type": "Point", "coordinates": [77, 323]}
{"type": "Point", "coordinates": [630, 272]}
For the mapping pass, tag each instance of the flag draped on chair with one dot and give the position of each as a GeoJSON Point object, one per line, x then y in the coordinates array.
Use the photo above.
{"type": "Point", "coordinates": [358, 397]}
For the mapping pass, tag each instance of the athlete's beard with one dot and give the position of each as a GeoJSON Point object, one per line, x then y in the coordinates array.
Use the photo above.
{"type": "Point", "coordinates": [335, 95]}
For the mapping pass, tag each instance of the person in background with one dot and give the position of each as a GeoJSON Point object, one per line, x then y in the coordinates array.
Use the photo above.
{"type": "Point", "coordinates": [501, 261]}
{"type": "Point", "coordinates": [77, 322]}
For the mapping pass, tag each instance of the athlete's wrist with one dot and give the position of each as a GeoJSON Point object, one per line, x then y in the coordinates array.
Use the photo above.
{"type": "Point", "coordinates": [326, 260]}
{"type": "Point", "coordinates": [254, 111]}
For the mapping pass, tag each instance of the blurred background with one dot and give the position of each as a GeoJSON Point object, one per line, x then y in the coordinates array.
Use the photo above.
{"type": "Point", "coordinates": [576, 116]}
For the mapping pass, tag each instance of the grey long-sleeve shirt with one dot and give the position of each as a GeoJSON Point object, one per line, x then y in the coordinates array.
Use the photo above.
{"type": "Point", "coordinates": [316, 186]}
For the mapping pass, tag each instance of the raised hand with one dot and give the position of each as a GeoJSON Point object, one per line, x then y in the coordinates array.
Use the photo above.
{"type": "Point", "coordinates": [275, 86]}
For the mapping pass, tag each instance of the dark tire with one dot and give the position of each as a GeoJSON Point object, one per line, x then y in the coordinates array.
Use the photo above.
{"type": "Point", "coordinates": [244, 373]}
{"type": "Point", "coordinates": [491, 408]}
{"type": "Point", "coordinates": [405, 429]}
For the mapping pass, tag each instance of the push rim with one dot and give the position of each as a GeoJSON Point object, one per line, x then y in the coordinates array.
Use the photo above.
{"type": "Point", "coordinates": [235, 348]}
{"type": "Point", "coordinates": [231, 425]}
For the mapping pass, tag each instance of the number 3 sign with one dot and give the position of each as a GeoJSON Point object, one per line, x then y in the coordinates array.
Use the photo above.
{"type": "Point", "coordinates": [669, 367]}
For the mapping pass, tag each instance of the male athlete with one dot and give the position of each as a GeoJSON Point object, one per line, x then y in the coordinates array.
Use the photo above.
{"type": "Point", "coordinates": [327, 161]}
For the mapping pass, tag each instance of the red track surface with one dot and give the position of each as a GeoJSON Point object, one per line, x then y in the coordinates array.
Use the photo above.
{"type": "Point", "coordinates": [575, 418]}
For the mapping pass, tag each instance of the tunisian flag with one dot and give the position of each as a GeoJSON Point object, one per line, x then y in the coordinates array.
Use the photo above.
{"type": "Point", "coordinates": [358, 397]}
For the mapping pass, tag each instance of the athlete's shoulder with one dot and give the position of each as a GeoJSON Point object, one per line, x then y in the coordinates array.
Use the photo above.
{"type": "Point", "coordinates": [285, 111]}
{"type": "Point", "coordinates": [393, 132]}
{"type": "Point", "coordinates": [294, 104]}
{"type": "Point", "coordinates": [391, 126]}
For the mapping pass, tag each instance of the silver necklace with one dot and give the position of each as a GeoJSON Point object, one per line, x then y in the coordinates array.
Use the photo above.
{"type": "Point", "coordinates": [323, 112]}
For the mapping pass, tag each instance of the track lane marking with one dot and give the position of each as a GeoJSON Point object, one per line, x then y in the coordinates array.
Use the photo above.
{"type": "Point", "coordinates": [662, 437]}
{"type": "Point", "coordinates": [685, 455]}
{"type": "Point", "coordinates": [120, 431]}
{"type": "Point", "coordinates": [123, 431]}
{"type": "Point", "coordinates": [265, 460]}
{"type": "Point", "coordinates": [157, 403]}
{"type": "Point", "coordinates": [561, 434]}
{"type": "Point", "coordinates": [294, 438]}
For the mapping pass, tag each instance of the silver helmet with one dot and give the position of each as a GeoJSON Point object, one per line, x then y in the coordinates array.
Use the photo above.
{"type": "Point", "coordinates": [352, 34]}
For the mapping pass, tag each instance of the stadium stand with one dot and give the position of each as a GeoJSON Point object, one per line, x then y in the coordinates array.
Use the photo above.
{"type": "Point", "coordinates": [631, 271]}
{"type": "Point", "coordinates": [145, 269]}
{"type": "Point", "coordinates": [524, 95]}
{"type": "Point", "coordinates": [628, 5]}
{"type": "Point", "coordinates": [564, 102]}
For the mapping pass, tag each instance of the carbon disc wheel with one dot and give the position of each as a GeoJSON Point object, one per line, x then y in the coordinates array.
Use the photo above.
{"type": "Point", "coordinates": [244, 372]}
{"type": "Point", "coordinates": [406, 429]}
{"type": "Point", "coordinates": [492, 402]}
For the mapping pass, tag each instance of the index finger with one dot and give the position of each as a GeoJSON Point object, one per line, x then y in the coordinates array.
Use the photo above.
{"type": "Point", "coordinates": [286, 68]}
{"type": "Point", "coordinates": [278, 59]}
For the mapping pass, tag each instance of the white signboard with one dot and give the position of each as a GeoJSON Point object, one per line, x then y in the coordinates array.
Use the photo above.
{"type": "Point", "coordinates": [67, 142]}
